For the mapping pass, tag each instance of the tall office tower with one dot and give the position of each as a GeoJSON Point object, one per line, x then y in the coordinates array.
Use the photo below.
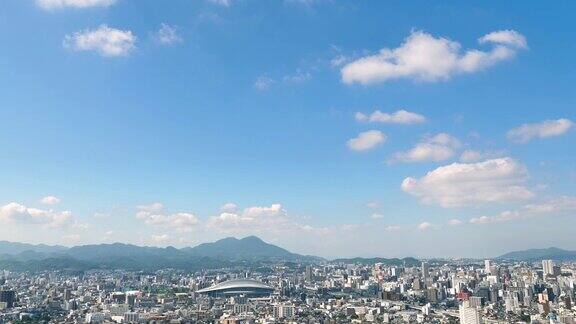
{"type": "Point", "coordinates": [131, 299]}
{"type": "Point", "coordinates": [8, 297]}
{"type": "Point", "coordinates": [308, 273]}
{"type": "Point", "coordinates": [488, 266]}
{"type": "Point", "coordinates": [548, 267]}
{"type": "Point", "coordinates": [469, 314]}
{"type": "Point", "coordinates": [67, 294]}
{"type": "Point", "coordinates": [425, 270]}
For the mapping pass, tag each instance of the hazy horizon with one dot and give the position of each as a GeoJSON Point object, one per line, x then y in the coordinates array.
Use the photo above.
{"type": "Point", "coordinates": [329, 128]}
{"type": "Point", "coordinates": [329, 257]}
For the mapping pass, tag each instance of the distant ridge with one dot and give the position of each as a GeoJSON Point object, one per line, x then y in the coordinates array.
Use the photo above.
{"type": "Point", "coordinates": [15, 248]}
{"type": "Point", "coordinates": [552, 253]}
{"type": "Point", "coordinates": [248, 248]}
{"type": "Point", "coordinates": [225, 252]}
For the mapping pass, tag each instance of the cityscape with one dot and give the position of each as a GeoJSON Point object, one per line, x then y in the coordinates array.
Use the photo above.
{"type": "Point", "coordinates": [300, 290]}
{"type": "Point", "coordinates": [287, 161]}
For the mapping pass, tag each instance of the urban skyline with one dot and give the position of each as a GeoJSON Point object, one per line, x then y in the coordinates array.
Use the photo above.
{"type": "Point", "coordinates": [330, 128]}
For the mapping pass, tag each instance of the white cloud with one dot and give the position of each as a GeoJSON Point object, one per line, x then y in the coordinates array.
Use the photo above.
{"type": "Point", "coordinates": [437, 148]}
{"type": "Point", "coordinates": [460, 184]}
{"type": "Point", "coordinates": [367, 140]}
{"type": "Point", "coordinates": [153, 207]}
{"type": "Point", "coordinates": [399, 117]}
{"type": "Point", "coordinates": [59, 4]}
{"type": "Point", "coordinates": [454, 222]}
{"type": "Point", "coordinates": [263, 83]}
{"type": "Point", "coordinates": [168, 34]}
{"type": "Point", "coordinates": [424, 226]}
{"type": "Point", "coordinates": [80, 226]}
{"type": "Point", "coordinates": [229, 207]}
{"type": "Point", "coordinates": [552, 207]}
{"type": "Point", "coordinates": [50, 200]}
{"type": "Point", "coordinates": [152, 215]}
{"type": "Point", "coordinates": [392, 228]}
{"type": "Point", "coordinates": [253, 219]}
{"type": "Point", "coordinates": [18, 213]}
{"type": "Point", "coordinates": [481, 220]}
{"type": "Point", "coordinates": [426, 58]}
{"type": "Point", "coordinates": [160, 238]}
{"type": "Point", "coordinates": [556, 205]}
{"type": "Point", "coordinates": [377, 216]}
{"type": "Point", "coordinates": [108, 42]}
{"type": "Point", "coordinates": [511, 38]}
{"type": "Point", "coordinates": [545, 129]}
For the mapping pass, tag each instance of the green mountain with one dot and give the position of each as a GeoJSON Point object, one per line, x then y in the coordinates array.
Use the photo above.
{"type": "Point", "coordinates": [248, 248]}
{"type": "Point", "coordinates": [540, 254]}
{"type": "Point", "coordinates": [223, 253]}
{"type": "Point", "coordinates": [15, 248]}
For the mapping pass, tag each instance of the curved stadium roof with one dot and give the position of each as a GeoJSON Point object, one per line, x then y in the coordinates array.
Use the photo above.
{"type": "Point", "coordinates": [237, 284]}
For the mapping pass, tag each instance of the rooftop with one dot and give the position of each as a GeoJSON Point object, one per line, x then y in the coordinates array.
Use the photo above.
{"type": "Point", "coordinates": [237, 284]}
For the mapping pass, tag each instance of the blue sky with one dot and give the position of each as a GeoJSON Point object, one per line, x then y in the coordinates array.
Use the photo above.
{"type": "Point", "coordinates": [180, 122]}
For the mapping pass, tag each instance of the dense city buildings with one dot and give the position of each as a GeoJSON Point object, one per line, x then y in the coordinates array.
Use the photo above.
{"type": "Point", "coordinates": [433, 291]}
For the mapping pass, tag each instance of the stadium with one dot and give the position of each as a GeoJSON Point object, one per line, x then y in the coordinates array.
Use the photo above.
{"type": "Point", "coordinates": [247, 287]}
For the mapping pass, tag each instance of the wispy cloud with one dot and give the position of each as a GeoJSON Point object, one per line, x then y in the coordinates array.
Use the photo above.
{"type": "Point", "coordinates": [263, 83]}
{"type": "Point", "coordinates": [398, 117]}
{"type": "Point", "coordinates": [167, 35]}
{"type": "Point", "coordinates": [548, 128]}
{"type": "Point", "coordinates": [59, 4]}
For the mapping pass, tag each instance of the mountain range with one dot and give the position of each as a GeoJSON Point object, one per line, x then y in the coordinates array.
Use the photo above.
{"type": "Point", "coordinates": [551, 253]}
{"type": "Point", "coordinates": [225, 252]}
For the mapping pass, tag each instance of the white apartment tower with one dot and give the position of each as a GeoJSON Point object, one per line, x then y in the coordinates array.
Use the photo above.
{"type": "Point", "coordinates": [469, 314]}
{"type": "Point", "coordinates": [548, 267]}
{"type": "Point", "coordinates": [488, 266]}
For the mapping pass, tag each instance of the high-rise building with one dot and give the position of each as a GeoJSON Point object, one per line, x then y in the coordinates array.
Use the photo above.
{"type": "Point", "coordinates": [425, 269]}
{"type": "Point", "coordinates": [548, 267]}
{"type": "Point", "coordinates": [469, 314]}
{"type": "Point", "coordinates": [131, 299]}
{"type": "Point", "coordinates": [488, 266]}
{"type": "Point", "coordinates": [309, 273]}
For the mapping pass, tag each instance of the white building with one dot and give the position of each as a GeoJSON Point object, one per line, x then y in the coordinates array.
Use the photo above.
{"type": "Point", "coordinates": [469, 315]}
{"type": "Point", "coordinates": [284, 310]}
{"type": "Point", "coordinates": [548, 267]}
